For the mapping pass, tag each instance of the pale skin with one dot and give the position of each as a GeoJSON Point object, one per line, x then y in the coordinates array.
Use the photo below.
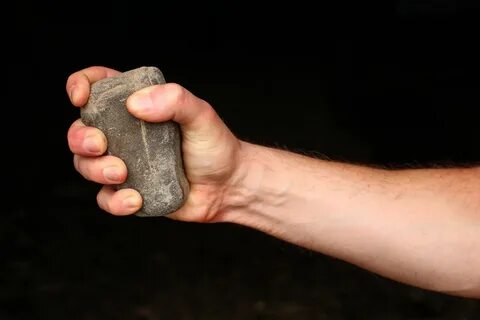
{"type": "Point", "coordinates": [420, 226]}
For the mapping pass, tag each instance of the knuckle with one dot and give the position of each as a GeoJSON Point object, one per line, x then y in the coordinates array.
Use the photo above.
{"type": "Point", "coordinates": [96, 68]}
{"type": "Point", "coordinates": [84, 168]}
{"type": "Point", "coordinates": [101, 203]}
{"type": "Point", "coordinates": [75, 162]}
{"type": "Point", "coordinates": [72, 132]}
{"type": "Point", "coordinates": [70, 143]}
{"type": "Point", "coordinates": [178, 93]}
{"type": "Point", "coordinates": [70, 79]}
{"type": "Point", "coordinates": [209, 114]}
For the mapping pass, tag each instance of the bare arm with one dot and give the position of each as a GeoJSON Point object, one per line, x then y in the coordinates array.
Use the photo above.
{"type": "Point", "coordinates": [420, 227]}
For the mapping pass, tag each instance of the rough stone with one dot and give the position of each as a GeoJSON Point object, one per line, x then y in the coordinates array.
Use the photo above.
{"type": "Point", "coordinates": [151, 151]}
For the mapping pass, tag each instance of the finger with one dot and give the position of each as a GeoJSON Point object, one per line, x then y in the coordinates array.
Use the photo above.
{"type": "Point", "coordinates": [122, 202]}
{"type": "Point", "coordinates": [195, 209]}
{"type": "Point", "coordinates": [173, 102]}
{"type": "Point", "coordinates": [86, 141]}
{"type": "Point", "coordinates": [78, 83]}
{"type": "Point", "coordinates": [105, 169]}
{"type": "Point", "coordinates": [192, 212]}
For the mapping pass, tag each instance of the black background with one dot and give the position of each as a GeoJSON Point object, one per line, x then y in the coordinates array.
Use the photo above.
{"type": "Point", "coordinates": [392, 83]}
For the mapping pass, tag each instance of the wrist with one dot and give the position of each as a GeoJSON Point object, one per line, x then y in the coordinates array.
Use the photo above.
{"type": "Point", "coordinates": [240, 192]}
{"type": "Point", "coordinates": [258, 185]}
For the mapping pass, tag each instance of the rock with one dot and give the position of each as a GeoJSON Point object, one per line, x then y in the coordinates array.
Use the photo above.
{"type": "Point", "coordinates": [151, 151]}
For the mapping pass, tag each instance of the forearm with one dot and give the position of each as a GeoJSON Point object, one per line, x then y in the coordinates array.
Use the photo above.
{"type": "Point", "coordinates": [421, 227]}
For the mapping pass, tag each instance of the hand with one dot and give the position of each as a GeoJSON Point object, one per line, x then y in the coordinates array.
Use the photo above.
{"type": "Point", "coordinates": [211, 153]}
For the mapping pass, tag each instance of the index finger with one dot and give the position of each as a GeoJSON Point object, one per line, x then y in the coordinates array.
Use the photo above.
{"type": "Point", "coordinates": [78, 83]}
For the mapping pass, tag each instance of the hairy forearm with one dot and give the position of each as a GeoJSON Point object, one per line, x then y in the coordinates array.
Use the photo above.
{"type": "Point", "coordinates": [420, 227]}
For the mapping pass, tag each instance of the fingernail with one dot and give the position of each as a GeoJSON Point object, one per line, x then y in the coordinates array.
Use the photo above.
{"type": "Point", "coordinates": [112, 174]}
{"type": "Point", "coordinates": [92, 144]}
{"type": "Point", "coordinates": [73, 93]}
{"type": "Point", "coordinates": [132, 202]}
{"type": "Point", "coordinates": [140, 102]}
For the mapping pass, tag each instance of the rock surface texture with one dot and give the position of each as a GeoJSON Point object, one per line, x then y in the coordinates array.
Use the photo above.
{"type": "Point", "coordinates": [151, 151]}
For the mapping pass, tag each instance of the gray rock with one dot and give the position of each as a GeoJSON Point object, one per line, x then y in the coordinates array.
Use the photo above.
{"type": "Point", "coordinates": [151, 151]}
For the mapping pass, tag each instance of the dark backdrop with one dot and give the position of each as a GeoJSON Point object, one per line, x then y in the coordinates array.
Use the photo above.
{"type": "Point", "coordinates": [392, 84]}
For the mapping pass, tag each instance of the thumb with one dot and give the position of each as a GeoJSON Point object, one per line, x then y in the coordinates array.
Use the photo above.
{"type": "Point", "coordinates": [171, 101]}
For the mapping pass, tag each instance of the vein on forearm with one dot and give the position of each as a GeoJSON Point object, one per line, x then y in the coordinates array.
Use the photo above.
{"type": "Point", "coordinates": [405, 223]}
